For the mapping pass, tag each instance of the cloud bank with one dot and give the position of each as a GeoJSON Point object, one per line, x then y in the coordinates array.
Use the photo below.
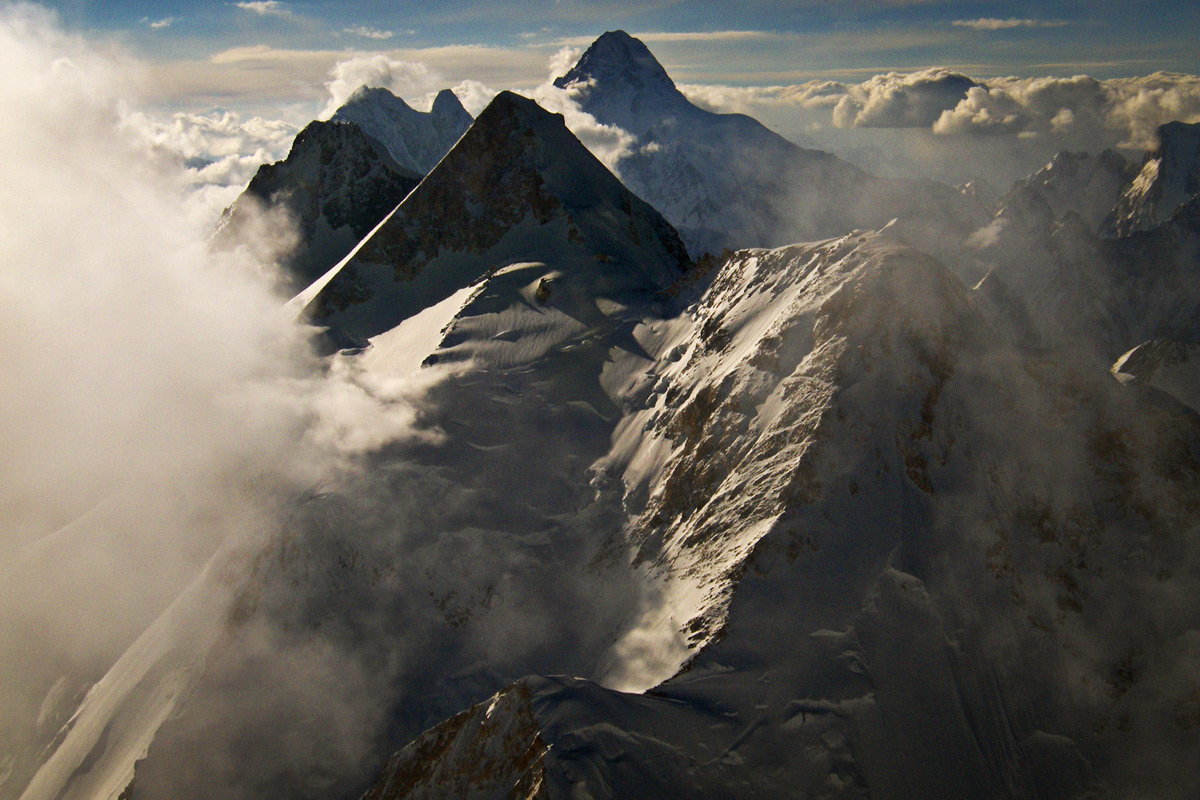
{"type": "Point", "coordinates": [218, 152]}
{"type": "Point", "coordinates": [1118, 112]}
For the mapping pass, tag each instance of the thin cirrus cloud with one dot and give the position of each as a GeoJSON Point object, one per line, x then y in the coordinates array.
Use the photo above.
{"type": "Point", "coordinates": [994, 24]}
{"type": "Point", "coordinates": [265, 8]}
{"type": "Point", "coordinates": [369, 33]}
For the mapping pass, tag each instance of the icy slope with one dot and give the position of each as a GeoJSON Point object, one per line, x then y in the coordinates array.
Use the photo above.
{"type": "Point", "coordinates": [910, 558]}
{"type": "Point", "coordinates": [518, 187]}
{"type": "Point", "coordinates": [333, 187]}
{"type": "Point", "coordinates": [725, 180]}
{"type": "Point", "coordinates": [92, 757]}
{"type": "Point", "coordinates": [1173, 367]}
{"type": "Point", "coordinates": [416, 140]}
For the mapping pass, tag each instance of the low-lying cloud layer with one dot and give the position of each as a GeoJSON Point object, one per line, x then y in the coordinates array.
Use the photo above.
{"type": "Point", "coordinates": [1122, 111]}
{"type": "Point", "coordinates": [219, 152]}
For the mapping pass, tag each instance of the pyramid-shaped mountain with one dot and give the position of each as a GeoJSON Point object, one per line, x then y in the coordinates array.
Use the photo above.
{"type": "Point", "coordinates": [620, 82]}
{"type": "Point", "coordinates": [416, 139]}
{"type": "Point", "coordinates": [726, 180]}
{"type": "Point", "coordinates": [517, 187]}
{"type": "Point", "coordinates": [334, 187]}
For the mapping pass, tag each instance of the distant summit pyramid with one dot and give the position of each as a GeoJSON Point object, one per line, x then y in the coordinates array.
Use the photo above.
{"type": "Point", "coordinates": [1169, 178]}
{"type": "Point", "coordinates": [726, 180]}
{"type": "Point", "coordinates": [416, 140]}
{"type": "Point", "coordinates": [620, 82]}
{"type": "Point", "coordinates": [517, 187]}
{"type": "Point", "coordinates": [334, 186]}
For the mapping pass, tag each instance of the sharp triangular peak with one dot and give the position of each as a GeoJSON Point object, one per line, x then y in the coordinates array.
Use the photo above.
{"type": "Point", "coordinates": [375, 95]}
{"type": "Point", "coordinates": [518, 186]}
{"type": "Point", "coordinates": [617, 56]}
{"type": "Point", "coordinates": [447, 104]}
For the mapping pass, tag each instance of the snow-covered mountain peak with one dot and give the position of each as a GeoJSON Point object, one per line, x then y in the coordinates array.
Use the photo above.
{"type": "Point", "coordinates": [446, 105]}
{"type": "Point", "coordinates": [336, 183]}
{"type": "Point", "coordinates": [617, 61]}
{"type": "Point", "coordinates": [377, 96]}
{"type": "Point", "coordinates": [416, 139]}
{"type": "Point", "coordinates": [517, 187]}
{"type": "Point", "coordinates": [728, 181]}
{"type": "Point", "coordinates": [619, 82]}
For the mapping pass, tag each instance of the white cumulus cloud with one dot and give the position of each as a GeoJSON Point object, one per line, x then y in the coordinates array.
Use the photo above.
{"type": "Point", "coordinates": [1081, 111]}
{"type": "Point", "coordinates": [900, 100]}
{"type": "Point", "coordinates": [377, 70]}
{"type": "Point", "coordinates": [265, 8]}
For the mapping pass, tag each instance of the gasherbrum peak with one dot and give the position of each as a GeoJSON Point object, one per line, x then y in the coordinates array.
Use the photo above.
{"type": "Point", "coordinates": [446, 105]}
{"type": "Point", "coordinates": [518, 186]}
{"type": "Point", "coordinates": [416, 139]}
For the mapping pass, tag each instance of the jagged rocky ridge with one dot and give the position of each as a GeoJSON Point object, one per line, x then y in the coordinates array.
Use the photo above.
{"type": "Point", "coordinates": [1169, 178]}
{"type": "Point", "coordinates": [915, 539]}
{"type": "Point", "coordinates": [334, 186]}
{"type": "Point", "coordinates": [1047, 260]}
{"type": "Point", "coordinates": [909, 559]}
{"type": "Point", "coordinates": [1078, 183]}
{"type": "Point", "coordinates": [342, 177]}
{"type": "Point", "coordinates": [445, 567]}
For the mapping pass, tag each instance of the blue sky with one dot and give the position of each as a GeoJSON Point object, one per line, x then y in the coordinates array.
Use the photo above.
{"type": "Point", "coordinates": [716, 41]}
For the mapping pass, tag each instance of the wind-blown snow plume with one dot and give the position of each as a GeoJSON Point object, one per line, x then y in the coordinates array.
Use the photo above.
{"type": "Point", "coordinates": [199, 575]}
